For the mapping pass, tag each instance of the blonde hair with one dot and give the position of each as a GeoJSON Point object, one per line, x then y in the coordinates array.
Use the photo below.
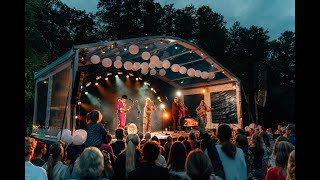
{"type": "Point", "coordinates": [133, 142]}
{"type": "Point", "coordinates": [90, 163]}
{"type": "Point", "coordinates": [29, 145]}
{"type": "Point", "coordinates": [291, 166]}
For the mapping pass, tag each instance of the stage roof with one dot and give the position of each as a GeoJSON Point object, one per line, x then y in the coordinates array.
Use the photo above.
{"type": "Point", "coordinates": [173, 49]}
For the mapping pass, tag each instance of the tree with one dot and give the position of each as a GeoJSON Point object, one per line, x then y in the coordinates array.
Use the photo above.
{"type": "Point", "coordinates": [184, 24]}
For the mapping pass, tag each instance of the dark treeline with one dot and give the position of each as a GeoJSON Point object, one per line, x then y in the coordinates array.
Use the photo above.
{"type": "Point", "coordinates": [52, 28]}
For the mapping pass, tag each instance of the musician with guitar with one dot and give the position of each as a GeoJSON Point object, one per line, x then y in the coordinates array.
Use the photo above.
{"type": "Point", "coordinates": [202, 110]}
{"type": "Point", "coordinates": [122, 110]}
{"type": "Point", "coordinates": [148, 109]}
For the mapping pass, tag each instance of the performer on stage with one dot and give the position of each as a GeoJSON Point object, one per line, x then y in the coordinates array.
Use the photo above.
{"type": "Point", "coordinates": [202, 110]}
{"type": "Point", "coordinates": [148, 109]}
{"type": "Point", "coordinates": [175, 112]}
{"type": "Point", "coordinates": [122, 110]}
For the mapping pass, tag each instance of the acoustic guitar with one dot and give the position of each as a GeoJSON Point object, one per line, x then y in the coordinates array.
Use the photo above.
{"type": "Point", "coordinates": [202, 112]}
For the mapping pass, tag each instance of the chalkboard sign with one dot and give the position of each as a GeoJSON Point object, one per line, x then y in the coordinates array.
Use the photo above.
{"type": "Point", "coordinates": [224, 106]}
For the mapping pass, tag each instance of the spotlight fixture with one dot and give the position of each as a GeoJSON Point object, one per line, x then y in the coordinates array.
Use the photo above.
{"type": "Point", "coordinates": [116, 75]}
{"type": "Point", "coordinates": [106, 78]}
{"type": "Point", "coordinates": [162, 106]}
{"type": "Point", "coordinates": [76, 117]}
{"type": "Point", "coordinates": [211, 65]}
{"type": "Point", "coordinates": [86, 93]}
{"type": "Point", "coordinates": [125, 49]}
{"type": "Point", "coordinates": [146, 83]}
{"type": "Point", "coordinates": [178, 93]}
{"type": "Point", "coordinates": [127, 76]}
{"type": "Point", "coordinates": [109, 74]}
{"type": "Point", "coordinates": [146, 46]}
{"type": "Point", "coordinates": [88, 84]}
{"type": "Point", "coordinates": [201, 54]}
{"type": "Point", "coordinates": [140, 78]}
{"type": "Point", "coordinates": [137, 79]}
{"type": "Point", "coordinates": [131, 74]}
{"type": "Point", "coordinates": [120, 72]}
{"type": "Point", "coordinates": [96, 83]}
{"type": "Point", "coordinates": [79, 103]}
{"type": "Point", "coordinates": [204, 90]}
{"type": "Point", "coordinates": [98, 77]}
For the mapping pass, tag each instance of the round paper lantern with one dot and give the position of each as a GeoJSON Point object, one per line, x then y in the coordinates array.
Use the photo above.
{"type": "Point", "coordinates": [197, 73]}
{"type": "Point", "coordinates": [144, 65]}
{"type": "Point", "coordinates": [106, 62]}
{"type": "Point", "coordinates": [182, 70]}
{"type": "Point", "coordinates": [132, 128]}
{"type": "Point", "coordinates": [166, 64]}
{"type": "Point", "coordinates": [136, 66]}
{"type": "Point", "coordinates": [67, 138]}
{"type": "Point", "coordinates": [152, 66]}
{"type": "Point", "coordinates": [154, 59]}
{"type": "Point", "coordinates": [81, 132]}
{"type": "Point", "coordinates": [175, 67]}
{"type": "Point", "coordinates": [211, 75]}
{"type": "Point", "coordinates": [127, 65]}
{"type": "Point", "coordinates": [204, 75]}
{"type": "Point", "coordinates": [95, 59]}
{"type": "Point", "coordinates": [145, 55]}
{"type": "Point", "coordinates": [78, 139]}
{"type": "Point", "coordinates": [162, 72]}
{"type": "Point", "coordinates": [133, 49]}
{"type": "Point", "coordinates": [153, 72]}
{"type": "Point", "coordinates": [64, 131]}
{"type": "Point", "coordinates": [144, 71]}
{"type": "Point", "coordinates": [117, 64]}
{"type": "Point", "coordinates": [191, 72]}
{"type": "Point", "coordinates": [118, 58]}
{"type": "Point", "coordinates": [159, 64]}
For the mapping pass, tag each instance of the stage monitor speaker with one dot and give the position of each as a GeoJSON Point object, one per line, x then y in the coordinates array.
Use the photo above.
{"type": "Point", "coordinates": [76, 87]}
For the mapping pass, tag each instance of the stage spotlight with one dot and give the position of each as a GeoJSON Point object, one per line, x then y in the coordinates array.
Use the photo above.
{"type": "Point", "coordinates": [106, 78]}
{"type": "Point", "coordinates": [151, 89]}
{"type": "Point", "coordinates": [165, 115]}
{"type": "Point", "coordinates": [137, 79]}
{"type": "Point", "coordinates": [131, 74]}
{"type": "Point", "coordinates": [203, 90]}
{"type": "Point", "coordinates": [76, 117]}
{"type": "Point", "coordinates": [147, 84]}
{"type": "Point", "coordinates": [116, 75]}
{"type": "Point", "coordinates": [96, 83]}
{"type": "Point", "coordinates": [127, 76]}
{"type": "Point", "coordinates": [98, 77]}
{"type": "Point", "coordinates": [140, 78]}
{"type": "Point", "coordinates": [79, 103]}
{"type": "Point", "coordinates": [125, 49]}
{"type": "Point", "coordinates": [178, 93]}
{"type": "Point", "coordinates": [81, 87]}
{"type": "Point", "coordinates": [86, 93]}
{"type": "Point", "coordinates": [109, 74]}
{"type": "Point", "coordinates": [162, 106]}
{"type": "Point", "coordinates": [88, 84]}
{"type": "Point", "coordinates": [120, 72]}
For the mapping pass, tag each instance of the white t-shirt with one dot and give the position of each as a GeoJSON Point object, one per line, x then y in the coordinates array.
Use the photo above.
{"type": "Point", "coordinates": [33, 172]}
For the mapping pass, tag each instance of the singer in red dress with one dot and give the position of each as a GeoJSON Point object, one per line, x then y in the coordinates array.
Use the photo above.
{"type": "Point", "coordinates": [121, 110]}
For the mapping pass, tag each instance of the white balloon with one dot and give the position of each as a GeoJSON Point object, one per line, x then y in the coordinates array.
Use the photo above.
{"type": "Point", "coordinates": [118, 58]}
{"type": "Point", "coordinates": [144, 65]}
{"type": "Point", "coordinates": [191, 72]}
{"type": "Point", "coordinates": [145, 55]}
{"type": "Point", "coordinates": [78, 139]}
{"type": "Point", "coordinates": [159, 64]}
{"type": "Point", "coordinates": [127, 65]}
{"type": "Point", "coordinates": [154, 59]}
{"type": "Point", "coordinates": [175, 67]}
{"type": "Point", "coordinates": [204, 75]}
{"type": "Point", "coordinates": [152, 66]}
{"type": "Point", "coordinates": [197, 73]}
{"type": "Point", "coordinates": [182, 70]}
{"type": "Point", "coordinates": [133, 49]}
{"type": "Point", "coordinates": [153, 72]}
{"type": "Point", "coordinates": [67, 138]}
{"type": "Point", "coordinates": [144, 71]}
{"type": "Point", "coordinates": [162, 72]}
{"type": "Point", "coordinates": [64, 131]}
{"type": "Point", "coordinates": [211, 75]}
{"type": "Point", "coordinates": [166, 64]}
{"type": "Point", "coordinates": [95, 59]}
{"type": "Point", "coordinates": [117, 64]}
{"type": "Point", "coordinates": [81, 132]}
{"type": "Point", "coordinates": [106, 62]}
{"type": "Point", "coordinates": [136, 66]}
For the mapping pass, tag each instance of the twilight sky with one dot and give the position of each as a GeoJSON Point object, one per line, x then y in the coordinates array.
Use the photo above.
{"type": "Point", "coordinates": [276, 16]}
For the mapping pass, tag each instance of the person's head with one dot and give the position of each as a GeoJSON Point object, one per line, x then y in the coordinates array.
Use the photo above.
{"type": "Point", "coordinates": [188, 145]}
{"type": "Point", "coordinates": [169, 139]}
{"type": "Point", "coordinates": [40, 149]}
{"type": "Point", "coordinates": [265, 138]}
{"type": "Point", "coordinates": [181, 138]}
{"type": "Point", "coordinates": [240, 131]}
{"type": "Point", "coordinates": [176, 100]}
{"type": "Point", "coordinates": [202, 103]}
{"type": "Point", "coordinates": [88, 120]}
{"type": "Point", "coordinates": [291, 172]}
{"type": "Point", "coordinates": [90, 163]}
{"type": "Point", "coordinates": [177, 156]}
{"type": "Point", "coordinates": [147, 136]}
{"type": "Point", "coordinates": [124, 98]}
{"type": "Point", "coordinates": [192, 136]}
{"type": "Point", "coordinates": [281, 152]}
{"type": "Point", "coordinates": [148, 101]}
{"type": "Point", "coordinates": [132, 143]}
{"type": "Point", "coordinates": [95, 116]}
{"type": "Point", "coordinates": [241, 142]}
{"type": "Point", "coordinates": [290, 129]}
{"type": "Point", "coordinates": [257, 140]}
{"type": "Point", "coordinates": [140, 134]}
{"type": "Point", "coordinates": [56, 152]}
{"type": "Point", "coordinates": [198, 165]}
{"type": "Point", "coordinates": [224, 135]}
{"type": "Point", "coordinates": [280, 127]}
{"type": "Point", "coordinates": [29, 146]}
{"type": "Point", "coordinates": [119, 133]}
{"type": "Point", "coordinates": [108, 139]}
{"type": "Point", "coordinates": [151, 151]}
{"type": "Point", "coordinates": [155, 138]}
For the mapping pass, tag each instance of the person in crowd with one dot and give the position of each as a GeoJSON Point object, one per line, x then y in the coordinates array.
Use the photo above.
{"type": "Point", "coordinates": [54, 166]}
{"type": "Point", "coordinates": [232, 158]}
{"type": "Point", "coordinates": [181, 138]}
{"type": "Point", "coordinates": [39, 151]}
{"type": "Point", "coordinates": [147, 137]}
{"type": "Point", "coordinates": [188, 146]}
{"type": "Point", "coordinates": [279, 131]}
{"type": "Point", "coordinates": [140, 134]}
{"type": "Point", "coordinates": [290, 133]}
{"type": "Point", "coordinates": [193, 140]}
{"type": "Point", "coordinates": [241, 142]}
{"type": "Point", "coordinates": [257, 150]}
{"type": "Point", "coordinates": [119, 144]}
{"type": "Point", "coordinates": [161, 161]}
{"type": "Point", "coordinates": [279, 171]}
{"type": "Point", "coordinates": [272, 157]}
{"type": "Point", "coordinates": [90, 165]}
{"type": "Point", "coordinates": [148, 169]}
{"type": "Point", "coordinates": [129, 158]}
{"type": "Point", "coordinates": [271, 138]}
{"type": "Point", "coordinates": [106, 146]}
{"type": "Point", "coordinates": [32, 171]}
{"type": "Point", "coordinates": [95, 130]}
{"type": "Point", "coordinates": [167, 146]}
{"type": "Point", "coordinates": [176, 161]}
{"type": "Point", "coordinates": [198, 166]}
{"type": "Point", "coordinates": [175, 113]}
{"type": "Point", "coordinates": [291, 167]}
